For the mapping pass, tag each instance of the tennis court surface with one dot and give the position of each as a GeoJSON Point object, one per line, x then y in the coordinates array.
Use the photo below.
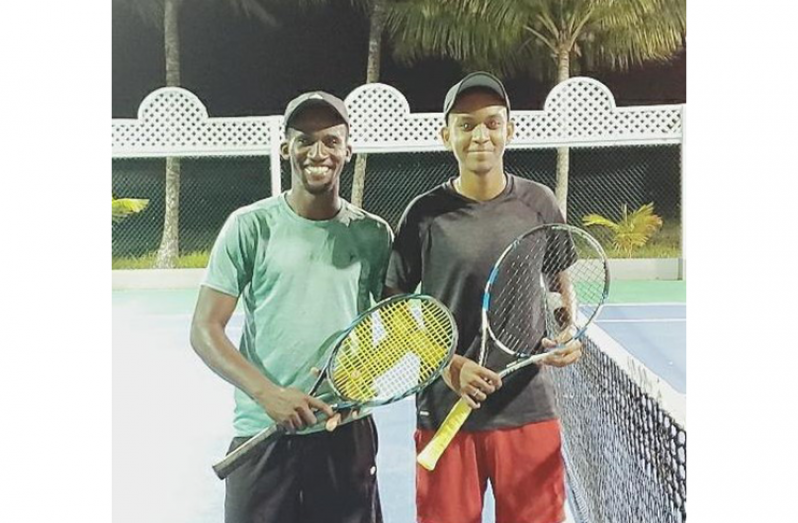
{"type": "Point", "coordinates": [622, 409]}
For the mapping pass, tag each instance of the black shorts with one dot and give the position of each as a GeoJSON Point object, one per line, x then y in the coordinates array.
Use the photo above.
{"type": "Point", "coordinates": [325, 477]}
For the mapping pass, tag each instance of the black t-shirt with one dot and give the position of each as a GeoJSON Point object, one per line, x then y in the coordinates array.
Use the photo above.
{"type": "Point", "coordinates": [448, 243]}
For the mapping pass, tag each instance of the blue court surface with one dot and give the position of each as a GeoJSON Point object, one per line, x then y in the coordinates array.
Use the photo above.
{"type": "Point", "coordinates": [655, 333]}
{"type": "Point", "coordinates": [172, 415]}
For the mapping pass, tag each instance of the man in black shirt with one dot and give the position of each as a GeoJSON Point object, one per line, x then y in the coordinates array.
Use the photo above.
{"type": "Point", "coordinates": [447, 241]}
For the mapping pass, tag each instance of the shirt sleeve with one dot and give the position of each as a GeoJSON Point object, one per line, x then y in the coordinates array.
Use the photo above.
{"type": "Point", "coordinates": [404, 265]}
{"type": "Point", "coordinates": [378, 279]}
{"type": "Point", "coordinates": [551, 209]}
{"type": "Point", "coordinates": [230, 264]}
{"type": "Point", "coordinates": [560, 250]}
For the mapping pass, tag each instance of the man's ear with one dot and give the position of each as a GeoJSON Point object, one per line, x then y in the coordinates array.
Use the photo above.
{"type": "Point", "coordinates": [284, 150]}
{"type": "Point", "coordinates": [510, 130]}
{"type": "Point", "coordinates": [444, 133]}
{"type": "Point", "coordinates": [348, 153]}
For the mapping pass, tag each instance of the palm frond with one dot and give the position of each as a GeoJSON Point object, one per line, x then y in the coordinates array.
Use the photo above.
{"type": "Point", "coordinates": [644, 221]}
{"type": "Point", "coordinates": [123, 207]}
{"type": "Point", "coordinates": [596, 219]}
{"type": "Point", "coordinates": [632, 231]}
{"type": "Point", "coordinates": [256, 10]}
{"type": "Point", "coordinates": [519, 36]}
{"type": "Point", "coordinates": [634, 32]}
{"type": "Point", "coordinates": [492, 36]}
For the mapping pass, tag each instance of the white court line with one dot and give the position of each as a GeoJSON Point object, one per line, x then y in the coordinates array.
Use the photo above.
{"type": "Point", "coordinates": [654, 385]}
{"type": "Point", "coordinates": [663, 304]}
{"type": "Point", "coordinates": [650, 320]}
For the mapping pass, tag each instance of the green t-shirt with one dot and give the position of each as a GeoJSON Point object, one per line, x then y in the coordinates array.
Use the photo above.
{"type": "Point", "coordinates": [300, 281]}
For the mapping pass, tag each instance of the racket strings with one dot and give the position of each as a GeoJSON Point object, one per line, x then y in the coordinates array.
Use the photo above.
{"type": "Point", "coordinates": [587, 281]}
{"type": "Point", "coordinates": [393, 351]}
{"type": "Point", "coordinates": [515, 303]}
{"type": "Point", "coordinates": [551, 282]}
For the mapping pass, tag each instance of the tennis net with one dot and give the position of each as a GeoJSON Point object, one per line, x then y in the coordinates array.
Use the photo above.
{"type": "Point", "coordinates": [624, 437]}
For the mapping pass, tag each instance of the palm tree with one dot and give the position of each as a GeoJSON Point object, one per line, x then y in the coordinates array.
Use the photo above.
{"type": "Point", "coordinates": [632, 231]}
{"type": "Point", "coordinates": [378, 11]}
{"type": "Point", "coordinates": [165, 14]}
{"type": "Point", "coordinates": [540, 37]}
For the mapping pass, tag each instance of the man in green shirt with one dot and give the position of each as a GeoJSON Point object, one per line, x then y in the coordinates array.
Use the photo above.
{"type": "Point", "coordinates": [305, 263]}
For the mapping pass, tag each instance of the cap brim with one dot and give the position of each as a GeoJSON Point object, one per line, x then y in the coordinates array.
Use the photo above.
{"type": "Point", "coordinates": [478, 80]}
{"type": "Point", "coordinates": [314, 102]}
{"type": "Point", "coordinates": [481, 81]}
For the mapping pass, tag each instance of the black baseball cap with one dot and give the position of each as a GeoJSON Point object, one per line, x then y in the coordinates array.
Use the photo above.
{"type": "Point", "coordinates": [478, 79]}
{"type": "Point", "coordinates": [315, 98]}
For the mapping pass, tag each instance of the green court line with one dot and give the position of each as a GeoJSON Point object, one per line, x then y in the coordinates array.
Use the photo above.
{"type": "Point", "coordinates": [155, 301]}
{"type": "Point", "coordinates": [659, 291]}
{"type": "Point", "coordinates": [181, 301]}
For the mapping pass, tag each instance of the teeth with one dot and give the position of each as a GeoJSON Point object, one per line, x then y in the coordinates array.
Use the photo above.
{"type": "Point", "coordinates": [317, 170]}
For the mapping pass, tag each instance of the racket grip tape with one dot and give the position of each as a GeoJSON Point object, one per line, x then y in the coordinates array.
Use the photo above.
{"type": "Point", "coordinates": [430, 455]}
{"type": "Point", "coordinates": [245, 451]}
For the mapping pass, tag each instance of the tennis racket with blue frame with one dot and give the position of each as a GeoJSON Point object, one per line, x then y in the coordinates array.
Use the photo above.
{"type": "Point", "coordinates": [551, 281]}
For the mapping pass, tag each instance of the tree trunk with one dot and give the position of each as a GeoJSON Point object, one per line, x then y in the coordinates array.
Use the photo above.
{"type": "Point", "coordinates": [170, 248]}
{"type": "Point", "coordinates": [563, 156]}
{"type": "Point", "coordinates": [378, 18]}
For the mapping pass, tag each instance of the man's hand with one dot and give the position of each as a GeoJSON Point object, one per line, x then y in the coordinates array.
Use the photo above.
{"type": "Point", "coordinates": [339, 416]}
{"type": "Point", "coordinates": [471, 381]}
{"type": "Point", "coordinates": [293, 409]}
{"type": "Point", "coordinates": [570, 350]}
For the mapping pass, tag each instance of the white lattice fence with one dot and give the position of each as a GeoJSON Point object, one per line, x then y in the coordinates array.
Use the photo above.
{"type": "Point", "coordinates": [580, 113]}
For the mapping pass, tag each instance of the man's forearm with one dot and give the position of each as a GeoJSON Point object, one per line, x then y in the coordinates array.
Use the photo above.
{"type": "Point", "coordinates": [217, 351]}
{"type": "Point", "coordinates": [566, 290]}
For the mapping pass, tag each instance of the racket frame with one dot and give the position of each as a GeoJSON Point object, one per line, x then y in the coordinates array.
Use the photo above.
{"type": "Point", "coordinates": [244, 452]}
{"type": "Point", "coordinates": [460, 412]}
{"type": "Point", "coordinates": [487, 332]}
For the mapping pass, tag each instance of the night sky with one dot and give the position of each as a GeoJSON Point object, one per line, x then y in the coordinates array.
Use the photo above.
{"type": "Point", "coordinates": [237, 66]}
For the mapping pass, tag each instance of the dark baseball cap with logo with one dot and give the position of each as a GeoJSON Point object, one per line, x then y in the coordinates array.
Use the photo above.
{"type": "Point", "coordinates": [479, 79]}
{"type": "Point", "coordinates": [315, 99]}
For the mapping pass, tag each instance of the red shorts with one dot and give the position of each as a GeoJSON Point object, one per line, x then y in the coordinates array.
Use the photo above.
{"type": "Point", "coordinates": [523, 464]}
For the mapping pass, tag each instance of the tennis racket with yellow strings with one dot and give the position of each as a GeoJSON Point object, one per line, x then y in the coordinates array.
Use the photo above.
{"type": "Point", "coordinates": [388, 353]}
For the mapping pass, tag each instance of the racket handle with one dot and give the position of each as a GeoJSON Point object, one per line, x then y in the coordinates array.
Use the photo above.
{"type": "Point", "coordinates": [244, 452]}
{"type": "Point", "coordinates": [430, 455]}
